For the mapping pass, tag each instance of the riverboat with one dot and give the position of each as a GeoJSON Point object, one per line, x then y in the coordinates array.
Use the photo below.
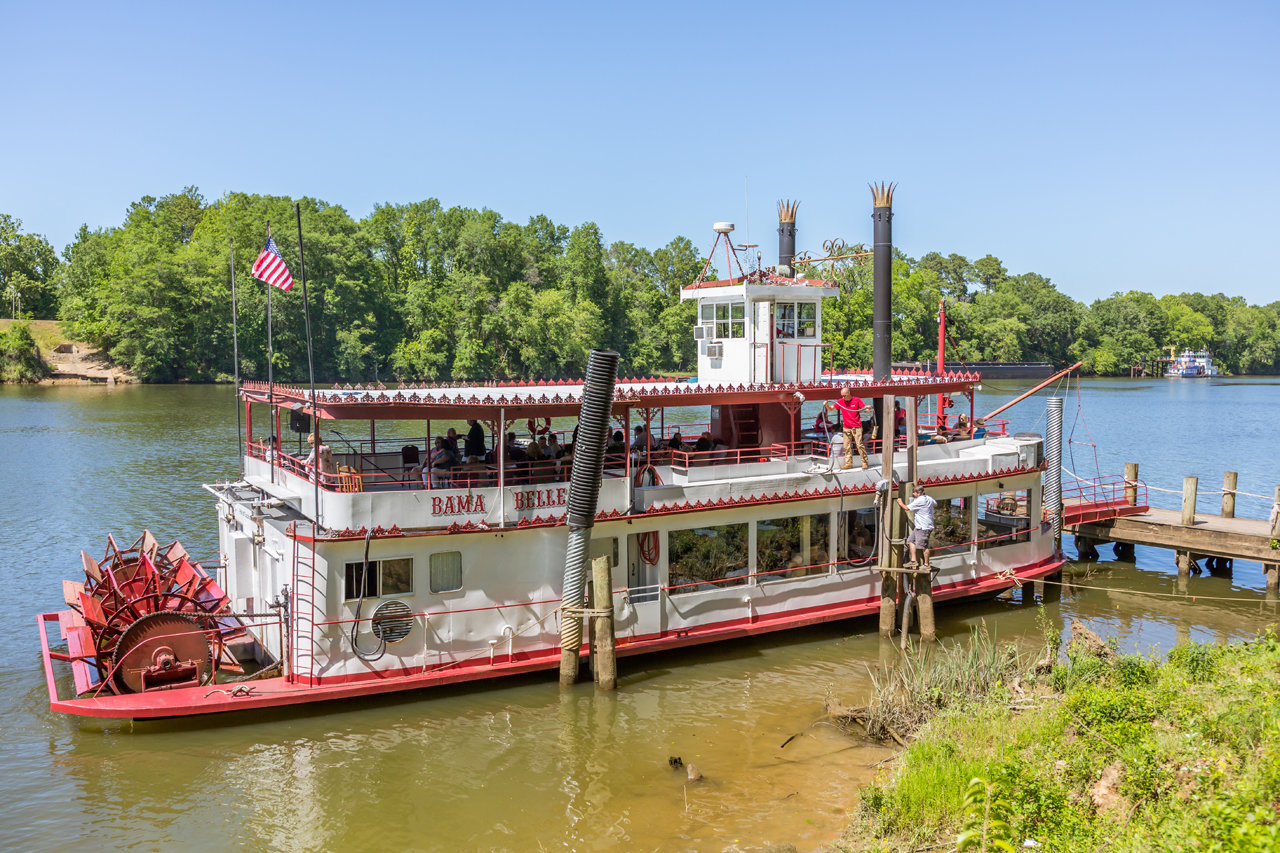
{"type": "Point", "coordinates": [366, 577]}
{"type": "Point", "coordinates": [1192, 365]}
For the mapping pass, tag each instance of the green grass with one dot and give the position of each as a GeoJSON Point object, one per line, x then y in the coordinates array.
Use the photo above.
{"type": "Point", "coordinates": [1191, 742]}
{"type": "Point", "coordinates": [47, 333]}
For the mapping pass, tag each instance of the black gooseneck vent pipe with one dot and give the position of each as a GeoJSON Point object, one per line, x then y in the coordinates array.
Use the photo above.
{"type": "Point", "coordinates": [584, 482]}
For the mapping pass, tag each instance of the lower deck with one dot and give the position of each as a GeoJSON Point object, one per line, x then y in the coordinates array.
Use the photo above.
{"type": "Point", "coordinates": [282, 691]}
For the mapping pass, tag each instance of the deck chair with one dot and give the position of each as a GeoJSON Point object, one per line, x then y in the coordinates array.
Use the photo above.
{"type": "Point", "coordinates": [350, 480]}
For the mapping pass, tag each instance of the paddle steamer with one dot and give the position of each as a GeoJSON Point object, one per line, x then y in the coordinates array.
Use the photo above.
{"type": "Point", "coordinates": [369, 578]}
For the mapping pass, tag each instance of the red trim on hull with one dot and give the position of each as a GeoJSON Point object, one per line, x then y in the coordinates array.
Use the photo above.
{"type": "Point", "coordinates": [277, 692]}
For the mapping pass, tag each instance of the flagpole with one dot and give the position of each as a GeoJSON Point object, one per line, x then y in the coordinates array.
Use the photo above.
{"type": "Point", "coordinates": [235, 348]}
{"type": "Point", "coordinates": [271, 397]}
{"type": "Point", "coordinates": [311, 370]}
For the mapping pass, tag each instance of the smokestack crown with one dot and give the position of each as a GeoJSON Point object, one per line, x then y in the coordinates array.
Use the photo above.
{"type": "Point", "coordinates": [786, 236]}
{"type": "Point", "coordinates": [882, 194]}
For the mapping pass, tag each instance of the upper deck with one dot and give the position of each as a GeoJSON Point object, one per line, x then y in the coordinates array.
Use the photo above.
{"type": "Point", "coordinates": [563, 398]}
{"type": "Point", "coordinates": [762, 449]}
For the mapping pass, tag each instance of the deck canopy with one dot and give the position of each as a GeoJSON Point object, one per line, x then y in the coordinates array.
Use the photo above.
{"type": "Point", "coordinates": [563, 398]}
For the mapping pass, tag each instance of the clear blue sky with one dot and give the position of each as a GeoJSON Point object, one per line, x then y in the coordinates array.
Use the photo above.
{"type": "Point", "coordinates": [1109, 146]}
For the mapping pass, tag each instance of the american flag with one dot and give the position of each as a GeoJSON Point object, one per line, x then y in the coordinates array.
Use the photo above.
{"type": "Point", "coordinates": [270, 267]}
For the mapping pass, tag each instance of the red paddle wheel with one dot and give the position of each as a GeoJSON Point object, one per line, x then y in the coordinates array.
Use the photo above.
{"type": "Point", "coordinates": [157, 619]}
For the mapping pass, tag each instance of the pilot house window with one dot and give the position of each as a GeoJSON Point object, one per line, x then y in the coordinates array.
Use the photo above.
{"type": "Point", "coordinates": [728, 319]}
{"type": "Point", "coordinates": [796, 319]}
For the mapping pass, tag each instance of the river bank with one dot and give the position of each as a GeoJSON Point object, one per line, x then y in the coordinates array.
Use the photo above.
{"type": "Point", "coordinates": [1082, 751]}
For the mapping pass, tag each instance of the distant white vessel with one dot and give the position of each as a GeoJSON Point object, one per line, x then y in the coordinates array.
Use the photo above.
{"type": "Point", "coordinates": [1192, 365]}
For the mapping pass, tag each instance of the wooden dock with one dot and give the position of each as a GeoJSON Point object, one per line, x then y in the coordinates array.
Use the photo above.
{"type": "Point", "coordinates": [1192, 535]}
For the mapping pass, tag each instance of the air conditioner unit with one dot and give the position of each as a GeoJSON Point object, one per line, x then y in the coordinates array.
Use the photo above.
{"type": "Point", "coordinates": [715, 349]}
{"type": "Point", "coordinates": [701, 332]}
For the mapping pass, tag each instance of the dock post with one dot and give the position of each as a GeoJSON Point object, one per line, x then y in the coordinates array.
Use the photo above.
{"type": "Point", "coordinates": [1189, 487]}
{"type": "Point", "coordinates": [602, 636]}
{"type": "Point", "coordinates": [1273, 576]}
{"type": "Point", "coordinates": [1131, 483]}
{"type": "Point", "coordinates": [1229, 494]}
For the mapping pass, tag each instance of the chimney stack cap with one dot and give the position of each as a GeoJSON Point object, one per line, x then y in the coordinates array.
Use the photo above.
{"type": "Point", "coordinates": [787, 211]}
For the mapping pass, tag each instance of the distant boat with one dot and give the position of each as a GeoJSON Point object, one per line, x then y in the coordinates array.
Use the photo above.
{"type": "Point", "coordinates": [1192, 365]}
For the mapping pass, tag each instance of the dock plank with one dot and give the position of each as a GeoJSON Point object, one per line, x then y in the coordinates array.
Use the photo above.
{"type": "Point", "coordinates": [1210, 536]}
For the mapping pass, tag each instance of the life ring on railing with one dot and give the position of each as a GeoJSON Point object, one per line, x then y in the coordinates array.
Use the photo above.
{"type": "Point", "coordinates": [536, 430]}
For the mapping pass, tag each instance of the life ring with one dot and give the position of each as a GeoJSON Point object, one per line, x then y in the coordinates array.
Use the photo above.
{"type": "Point", "coordinates": [536, 430]}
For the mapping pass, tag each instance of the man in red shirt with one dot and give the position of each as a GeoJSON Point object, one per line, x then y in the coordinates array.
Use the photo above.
{"type": "Point", "coordinates": [850, 408]}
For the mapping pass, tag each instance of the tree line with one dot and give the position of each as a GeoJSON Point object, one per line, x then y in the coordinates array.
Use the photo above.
{"type": "Point", "coordinates": [420, 292]}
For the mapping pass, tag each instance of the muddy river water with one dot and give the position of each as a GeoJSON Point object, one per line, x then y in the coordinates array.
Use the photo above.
{"type": "Point", "coordinates": [517, 765]}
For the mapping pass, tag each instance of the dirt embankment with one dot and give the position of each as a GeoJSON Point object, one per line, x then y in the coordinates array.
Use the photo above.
{"type": "Point", "coordinates": [72, 362]}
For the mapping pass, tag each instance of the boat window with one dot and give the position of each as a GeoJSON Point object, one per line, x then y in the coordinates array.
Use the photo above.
{"type": "Point", "coordinates": [384, 577]}
{"type": "Point", "coordinates": [785, 317]}
{"type": "Point", "coordinates": [396, 576]}
{"type": "Point", "coordinates": [952, 521]}
{"type": "Point", "coordinates": [808, 319]}
{"type": "Point", "coordinates": [446, 571]}
{"type": "Point", "coordinates": [706, 558]}
{"type": "Point", "coordinates": [607, 547]}
{"type": "Point", "coordinates": [731, 319]}
{"type": "Point", "coordinates": [1004, 519]}
{"type": "Point", "coordinates": [857, 541]}
{"type": "Point", "coordinates": [792, 547]}
{"type": "Point", "coordinates": [354, 572]}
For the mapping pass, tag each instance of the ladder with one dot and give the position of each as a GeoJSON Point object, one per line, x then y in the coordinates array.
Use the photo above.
{"type": "Point", "coordinates": [306, 609]}
{"type": "Point", "coordinates": [746, 426]}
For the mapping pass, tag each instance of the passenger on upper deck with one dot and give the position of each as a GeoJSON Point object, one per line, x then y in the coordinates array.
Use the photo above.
{"type": "Point", "coordinates": [618, 444]}
{"type": "Point", "coordinates": [442, 461]}
{"type": "Point", "coordinates": [676, 442]}
{"type": "Point", "coordinates": [511, 451]}
{"type": "Point", "coordinates": [473, 447]}
{"type": "Point", "coordinates": [703, 444]}
{"type": "Point", "coordinates": [554, 447]}
{"type": "Point", "coordinates": [899, 419]}
{"type": "Point", "coordinates": [643, 440]}
{"type": "Point", "coordinates": [850, 408]}
{"type": "Point", "coordinates": [322, 453]}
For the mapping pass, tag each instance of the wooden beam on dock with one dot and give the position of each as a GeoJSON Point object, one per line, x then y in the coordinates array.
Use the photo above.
{"type": "Point", "coordinates": [1209, 535]}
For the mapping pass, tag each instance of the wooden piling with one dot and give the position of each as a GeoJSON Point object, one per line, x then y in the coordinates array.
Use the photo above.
{"type": "Point", "coordinates": [1131, 483]}
{"type": "Point", "coordinates": [888, 602]}
{"type": "Point", "coordinates": [602, 630]}
{"type": "Point", "coordinates": [924, 601]}
{"type": "Point", "coordinates": [1272, 571]}
{"type": "Point", "coordinates": [1229, 494]}
{"type": "Point", "coordinates": [1189, 488]}
{"type": "Point", "coordinates": [1184, 561]}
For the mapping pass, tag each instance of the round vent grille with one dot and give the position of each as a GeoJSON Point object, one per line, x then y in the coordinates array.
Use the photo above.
{"type": "Point", "coordinates": [392, 621]}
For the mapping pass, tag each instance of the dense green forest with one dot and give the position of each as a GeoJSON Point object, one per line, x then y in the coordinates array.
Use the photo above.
{"type": "Point", "coordinates": [417, 291]}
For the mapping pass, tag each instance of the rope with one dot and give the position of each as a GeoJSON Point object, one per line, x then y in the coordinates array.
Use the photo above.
{"type": "Point", "coordinates": [1158, 594]}
{"type": "Point", "coordinates": [1171, 491]}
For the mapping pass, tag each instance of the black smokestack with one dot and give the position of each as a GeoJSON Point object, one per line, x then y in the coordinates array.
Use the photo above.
{"type": "Point", "coordinates": [882, 281]}
{"type": "Point", "coordinates": [787, 234]}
